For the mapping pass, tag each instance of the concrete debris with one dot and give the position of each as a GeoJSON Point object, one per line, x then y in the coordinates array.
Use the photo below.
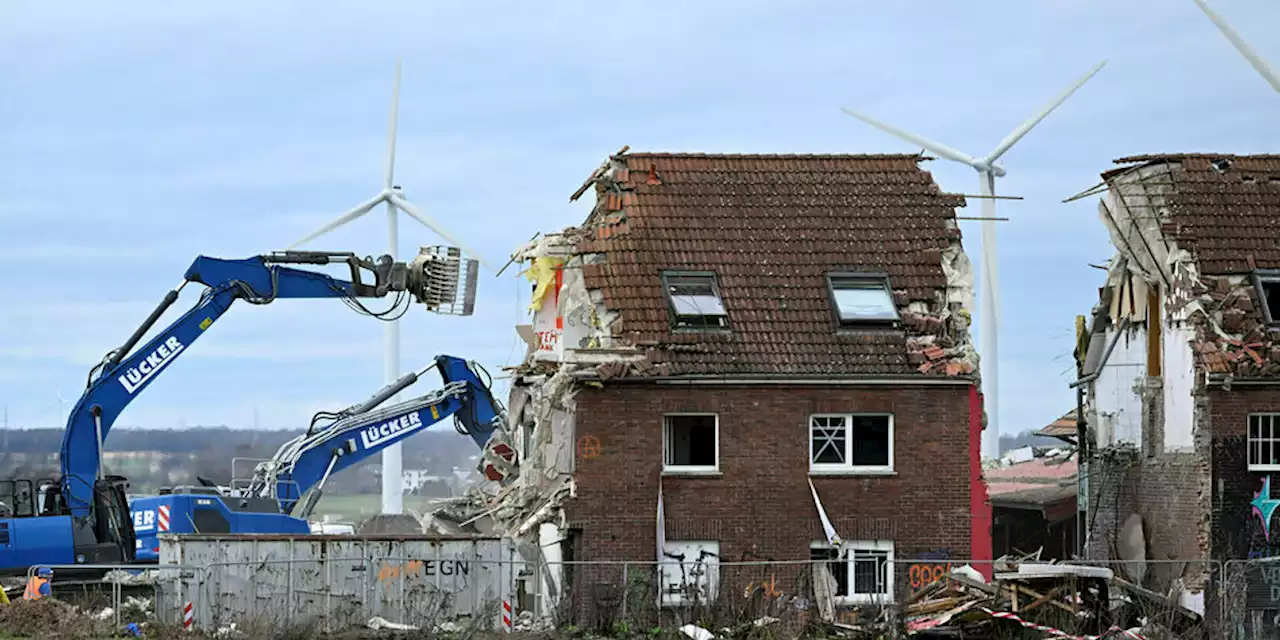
{"type": "Point", "coordinates": [378, 623]}
{"type": "Point", "coordinates": [132, 577]}
{"type": "Point", "coordinates": [696, 632]}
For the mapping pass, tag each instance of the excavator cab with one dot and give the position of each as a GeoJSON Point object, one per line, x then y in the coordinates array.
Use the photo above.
{"type": "Point", "coordinates": [112, 538]}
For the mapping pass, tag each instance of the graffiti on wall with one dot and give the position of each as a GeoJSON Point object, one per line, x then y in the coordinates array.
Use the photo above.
{"type": "Point", "coordinates": [414, 569]}
{"type": "Point", "coordinates": [923, 574]}
{"type": "Point", "coordinates": [1264, 506]}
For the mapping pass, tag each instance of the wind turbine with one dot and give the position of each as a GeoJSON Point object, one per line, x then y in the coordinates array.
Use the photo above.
{"type": "Point", "coordinates": [1243, 47]}
{"type": "Point", "coordinates": [988, 171]}
{"type": "Point", "coordinates": [393, 197]}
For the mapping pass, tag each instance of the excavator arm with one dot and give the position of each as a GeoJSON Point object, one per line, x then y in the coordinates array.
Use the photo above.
{"type": "Point", "coordinates": [363, 430]}
{"type": "Point", "coordinates": [438, 278]}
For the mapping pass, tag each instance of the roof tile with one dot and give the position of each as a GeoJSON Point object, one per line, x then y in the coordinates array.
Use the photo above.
{"type": "Point", "coordinates": [1221, 217]}
{"type": "Point", "coordinates": [771, 227]}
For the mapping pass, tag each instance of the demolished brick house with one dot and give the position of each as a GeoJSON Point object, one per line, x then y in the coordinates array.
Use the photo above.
{"type": "Point", "coordinates": [753, 336]}
{"type": "Point", "coordinates": [1181, 372]}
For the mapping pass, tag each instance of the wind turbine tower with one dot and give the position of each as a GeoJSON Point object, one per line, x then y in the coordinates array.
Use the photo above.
{"type": "Point", "coordinates": [393, 197]}
{"type": "Point", "coordinates": [1243, 47]}
{"type": "Point", "coordinates": [988, 171]}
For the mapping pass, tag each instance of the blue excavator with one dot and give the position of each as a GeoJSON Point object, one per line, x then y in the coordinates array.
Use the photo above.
{"type": "Point", "coordinates": [82, 518]}
{"type": "Point", "coordinates": [285, 489]}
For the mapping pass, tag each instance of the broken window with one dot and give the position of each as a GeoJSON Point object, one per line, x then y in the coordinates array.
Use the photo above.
{"type": "Point", "coordinates": [690, 443]}
{"type": "Point", "coordinates": [861, 299]}
{"type": "Point", "coordinates": [1264, 442]}
{"type": "Point", "coordinates": [694, 300]}
{"type": "Point", "coordinates": [851, 442]}
{"type": "Point", "coordinates": [1268, 286]}
{"type": "Point", "coordinates": [863, 569]}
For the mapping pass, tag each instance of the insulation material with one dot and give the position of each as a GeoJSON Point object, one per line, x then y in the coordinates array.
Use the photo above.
{"type": "Point", "coordinates": [959, 272]}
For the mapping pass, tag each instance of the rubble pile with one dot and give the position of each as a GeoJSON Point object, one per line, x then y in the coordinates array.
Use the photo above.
{"type": "Point", "coordinates": [1236, 341]}
{"type": "Point", "coordinates": [1059, 600]}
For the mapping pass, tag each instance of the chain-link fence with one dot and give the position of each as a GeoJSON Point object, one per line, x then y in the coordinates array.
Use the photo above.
{"type": "Point", "coordinates": [1251, 598]}
{"type": "Point", "coordinates": [868, 591]}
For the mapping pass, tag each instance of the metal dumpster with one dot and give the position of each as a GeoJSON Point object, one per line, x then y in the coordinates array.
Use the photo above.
{"type": "Point", "coordinates": [339, 581]}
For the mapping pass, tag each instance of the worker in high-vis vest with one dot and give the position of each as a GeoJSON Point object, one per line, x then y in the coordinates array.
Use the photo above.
{"type": "Point", "coordinates": [39, 585]}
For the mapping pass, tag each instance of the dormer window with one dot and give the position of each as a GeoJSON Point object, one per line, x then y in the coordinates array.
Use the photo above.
{"type": "Point", "coordinates": [862, 299]}
{"type": "Point", "coordinates": [1268, 284]}
{"type": "Point", "coordinates": [694, 300]}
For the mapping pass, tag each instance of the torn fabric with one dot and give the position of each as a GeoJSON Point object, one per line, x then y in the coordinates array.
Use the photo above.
{"type": "Point", "coordinates": [662, 526]}
{"type": "Point", "coordinates": [543, 274]}
{"type": "Point", "coordinates": [833, 538]}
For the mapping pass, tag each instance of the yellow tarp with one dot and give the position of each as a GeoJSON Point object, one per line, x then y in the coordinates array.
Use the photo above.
{"type": "Point", "coordinates": [4, 597]}
{"type": "Point", "coordinates": [543, 275]}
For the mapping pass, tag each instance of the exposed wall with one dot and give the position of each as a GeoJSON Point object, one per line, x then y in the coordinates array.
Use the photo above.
{"type": "Point", "coordinates": [1115, 407]}
{"type": "Point", "coordinates": [761, 508]}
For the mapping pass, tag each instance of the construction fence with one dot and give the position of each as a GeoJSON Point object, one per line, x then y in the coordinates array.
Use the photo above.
{"type": "Point", "coordinates": [873, 594]}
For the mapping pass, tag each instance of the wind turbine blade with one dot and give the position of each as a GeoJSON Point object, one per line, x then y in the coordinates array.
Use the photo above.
{"type": "Point", "coordinates": [360, 210]}
{"type": "Point", "coordinates": [391, 130]}
{"type": "Point", "coordinates": [1241, 46]}
{"type": "Point", "coordinates": [416, 214]}
{"type": "Point", "coordinates": [1022, 130]}
{"type": "Point", "coordinates": [938, 148]}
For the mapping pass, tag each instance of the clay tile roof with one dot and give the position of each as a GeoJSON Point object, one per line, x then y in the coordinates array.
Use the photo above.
{"type": "Point", "coordinates": [771, 227]}
{"type": "Point", "coordinates": [1064, 427]}
{"type": "Point", "coordinates": [1222, 217]}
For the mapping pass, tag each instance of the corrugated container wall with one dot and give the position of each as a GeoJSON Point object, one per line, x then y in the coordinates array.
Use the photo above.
{"type": "Point", "coordinates": [340, 581]}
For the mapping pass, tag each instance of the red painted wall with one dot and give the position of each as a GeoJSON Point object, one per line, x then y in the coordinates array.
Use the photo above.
{"type": "Point", "coordinates": [979, 501]}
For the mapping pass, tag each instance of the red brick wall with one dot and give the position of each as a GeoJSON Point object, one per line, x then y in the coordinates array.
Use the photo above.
{"type": "Point", "coordinates": [1237, 531]}
{"type": "Point", "coordinates": [761, 507]}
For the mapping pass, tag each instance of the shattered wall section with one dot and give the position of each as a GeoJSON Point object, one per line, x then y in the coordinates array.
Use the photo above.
{"type": "Point", "coordinates": [941, 342]}
{"type": "Point", "coordinates": [1153, 453]}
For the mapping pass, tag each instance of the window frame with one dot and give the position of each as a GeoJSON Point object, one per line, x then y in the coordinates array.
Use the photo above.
{"type": "Point", "coordinates": [847, 556]}
{"type": "Point", "coordinates": [847, 467]}
{"type": "Point", "coordinates": [689, 469]}
{"type": "Point", "coordinates": [1262, 277]}
{"type": "Point", "coordinates": [876, 277]}
{"type": "Point", "coordinates": [1274, 440]}
{"type": "Point", "coordinates": [674, 315]}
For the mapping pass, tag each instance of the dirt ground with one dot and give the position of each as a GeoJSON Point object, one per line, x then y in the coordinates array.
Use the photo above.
{"type": "Point", "coordinates": [49, 618]}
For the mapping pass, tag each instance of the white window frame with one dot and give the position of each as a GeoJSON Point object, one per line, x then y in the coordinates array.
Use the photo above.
{"type": "Point", "coordinates": [848, 549]}
{"type": "Point", "coordinates": [1270, 442]}
{"type": "Point", "coordinates": [847, 467]}
{"type": "Point", "coordinates": [671, 469]}
{"type": "Point", "coordinates": [714, 320]}
{"type": "Point", "coordinates": [868, 281]}
{"type": "Point", "coordinates": [1261, 279]}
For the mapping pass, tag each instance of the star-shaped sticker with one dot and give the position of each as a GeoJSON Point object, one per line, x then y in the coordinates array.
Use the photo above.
{"type": "Point", "coordinates": [1265, 507]}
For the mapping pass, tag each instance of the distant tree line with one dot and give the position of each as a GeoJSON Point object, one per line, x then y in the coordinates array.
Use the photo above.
{"type": "Point", "coordinates": [164, 457]}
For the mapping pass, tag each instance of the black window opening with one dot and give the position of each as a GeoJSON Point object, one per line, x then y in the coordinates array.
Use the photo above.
{"type": "Point", "coordinates": [838, 567]}
{"type": "Point", "coordinates": [870, 441]}
{"type": "Point", "coordinates": [862, 299]}
{"type": "Point", "coordinates": [1268, 286]}
{"type": "Point", "coordinates": [694, 300]}
{"type": "Point", "coordinates": [691, 442]}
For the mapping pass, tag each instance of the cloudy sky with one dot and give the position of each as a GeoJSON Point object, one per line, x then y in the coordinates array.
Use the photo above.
{"type": "Point", "coordinates": [137, 136]}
